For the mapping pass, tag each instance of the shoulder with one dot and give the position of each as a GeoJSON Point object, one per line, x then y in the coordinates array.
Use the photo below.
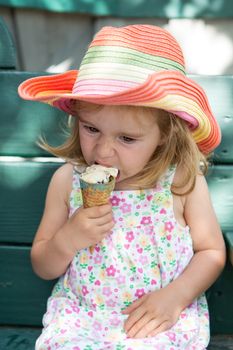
{"type": "Point", "coordinates": [190, 185]}
{"type": "Point", "coordinates": [189, 195]}
{"type": "Point", "coordinates": [61, 181]}
{"type": "Point", "coordinates": [63, 173]}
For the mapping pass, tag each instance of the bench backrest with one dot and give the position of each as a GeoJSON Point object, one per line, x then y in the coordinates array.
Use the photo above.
{"type": "Point", "coordinates": [25, 171]}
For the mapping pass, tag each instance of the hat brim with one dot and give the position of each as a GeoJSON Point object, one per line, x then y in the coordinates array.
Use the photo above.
{"type": "Point", "coordinates": [168, 90]}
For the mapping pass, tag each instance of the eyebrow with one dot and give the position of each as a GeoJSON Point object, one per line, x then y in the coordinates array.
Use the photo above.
{"type": "Point", "coordinates": [125, 133]}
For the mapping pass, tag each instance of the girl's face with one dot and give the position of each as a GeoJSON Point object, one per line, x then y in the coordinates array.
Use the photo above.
{"type": "Point", "coordinates": [120, 137]}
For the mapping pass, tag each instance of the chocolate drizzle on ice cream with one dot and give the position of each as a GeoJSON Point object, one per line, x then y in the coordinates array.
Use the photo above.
{"type": "Point", "coordinates": [98, 174]}
{"type": "Point", "coordinates": [96, 183]}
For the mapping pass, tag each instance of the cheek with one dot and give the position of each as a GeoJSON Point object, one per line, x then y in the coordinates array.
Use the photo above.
{"type": "Point", "coordinates": [85, 149]}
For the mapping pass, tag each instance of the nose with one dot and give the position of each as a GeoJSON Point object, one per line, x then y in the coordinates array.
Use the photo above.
{"type": "Point", "coordinates": [104, 148]}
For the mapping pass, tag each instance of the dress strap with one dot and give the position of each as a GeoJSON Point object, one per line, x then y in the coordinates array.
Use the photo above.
{"type": "Point", "coordinates": [76, 195]}
{"type": "Point", "coordinates": [167, 179]}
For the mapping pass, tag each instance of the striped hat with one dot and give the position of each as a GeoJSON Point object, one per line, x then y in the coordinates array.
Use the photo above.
{"type": "Point", "coordinates": [139, 65]}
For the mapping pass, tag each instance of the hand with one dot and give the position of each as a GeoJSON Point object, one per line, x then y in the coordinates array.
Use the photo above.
{"type": "Point", "coordinates": [88, 226]}
{"type": "Point", "coordinates": [151, 314]}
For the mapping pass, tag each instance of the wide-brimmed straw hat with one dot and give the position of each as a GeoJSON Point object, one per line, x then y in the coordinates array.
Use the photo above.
{"type": "Point", "coordinates": [139, 65]}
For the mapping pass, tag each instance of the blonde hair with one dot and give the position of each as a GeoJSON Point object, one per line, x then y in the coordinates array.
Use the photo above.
{"type": "Point", "coordinates": [177, 148]}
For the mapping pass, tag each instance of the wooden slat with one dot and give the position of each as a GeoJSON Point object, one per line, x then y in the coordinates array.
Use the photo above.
{"type": "Point", "coordinates": [18, 338]}
{"type": "Point", "coordinates": [23, 295]}
{"type": "Point", "coordinates": [51, 54]}
{"type": "Point", "coordinates": [7, 50]}
{"type": "Point", "coordinates": [220, 303]}
{"type": "Point", "coordinates": [221, 342]}
{"type": "Point", "coordinates": [131, 8]}
{"type": "Point", "coordinates": [220, 180]}
{"type": "Point", "coordinates": [23, 188]}
{"type": "Point", "coordinates": [22, 122]}
{"type": "Point", "coordinates": [229, 238]}
{"type": "Point", "coordinates": [219, 90]}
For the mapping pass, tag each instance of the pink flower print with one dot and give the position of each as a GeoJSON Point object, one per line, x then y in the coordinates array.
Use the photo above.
{"type": "Point", "coordinates": [111, 271]}
{"type": "Point", "coordinates": [114, 321]}
{"type": "Point", "coordinates": [121, 279]}
{"type": "Point", "coordinates": [98, 259]}
{"type": "Point", "coordinates": [68, 311]}
{"type": "Point", "coordinates": [171, 336]}
{"type": "Point", "coordinates": [169, 226]}
{"type": "Point", "coordinates": [76, 348]}
{"type": "Point", "coordinates": [149, 230]}
{"type": "Point", "coordinates": [107, 291]}
{"type": "Point", "coordinates": [139, 293]}
{"type": "Point", "coordinates": [97, 326]}
{"type": "Point", "coordinates": [110, 303]}
{"type": "Point", "coordinates": [72, 272]}
{"type": "Point", "coordinates": [126, 208]}
{"type": "Point", "coordinates": [75, 309]}
{"type": "Point", "coordinates": [143, 259]}
{"type": "Point", "coordinates": [84, 290]}
{"type": "Point", "coordinates": [115, 201]}
{"type": "Point", "coordinates": [77, 323]}
{"type": "Point", "coordinates": [129, 236]}
{"type": "Point", "coordinates": [146, 220]}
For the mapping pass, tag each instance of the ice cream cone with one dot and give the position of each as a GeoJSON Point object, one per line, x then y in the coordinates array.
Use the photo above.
{"type": "Point", "coordinates": [96, 194]}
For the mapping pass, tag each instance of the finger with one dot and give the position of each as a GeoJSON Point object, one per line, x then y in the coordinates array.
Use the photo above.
{"type": "Point", "coordinates": [140, 327]}
{"type": "Point", "coordinates": [106, 228]}
{"type": "Point", "coordinates": [108, 218]}
{"type": "Point", "coordinates": [161, 328]}
{"type": "Point", "coordinates": [98, 211]}
{"type": "Point", "coordinates": [133, 318]}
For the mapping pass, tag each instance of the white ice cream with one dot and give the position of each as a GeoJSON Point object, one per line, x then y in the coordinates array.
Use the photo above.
{"type": "Point", "coordinates": [98, 174]}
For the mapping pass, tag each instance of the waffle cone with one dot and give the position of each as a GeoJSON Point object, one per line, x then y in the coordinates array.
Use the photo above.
{"type": "Point", "coordinates": [96, 194]}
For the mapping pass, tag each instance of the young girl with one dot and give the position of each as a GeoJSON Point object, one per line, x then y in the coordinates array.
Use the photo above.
{"type": "Point", "coordinates": [158, 245]}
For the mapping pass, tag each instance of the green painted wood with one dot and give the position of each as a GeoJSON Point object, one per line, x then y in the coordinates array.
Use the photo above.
{"type": "Point", "coordinates": [22, 122]}
{"type": "Point", "coordinates": [132, 8]}
{"type": "Point", "coordinates": [220, 303]}
{"type": "Point", "coordinates": [219, 90]}
{"type": "Point", "coordinates": [23, 187]}
{"type": "Point", "coordinates": [229, 239]}
{"type": "Point", "coordinates": [7, 50]}
{"type": "Point", "coordinates": [23, 295]}
{"type": "Point", "coordinates": [18, 338]}
{"type": "Point", "coordinates": [220, 182]}
{"type": "Point", "coordinates": [222, 342]}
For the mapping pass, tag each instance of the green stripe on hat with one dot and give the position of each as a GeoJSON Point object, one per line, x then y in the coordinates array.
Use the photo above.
{"type": "Point", "coordinates": [129, 56]}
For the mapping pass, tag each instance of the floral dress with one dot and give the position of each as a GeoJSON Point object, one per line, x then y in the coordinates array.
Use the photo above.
{"type": "Point", "coordinates": [145, 251]}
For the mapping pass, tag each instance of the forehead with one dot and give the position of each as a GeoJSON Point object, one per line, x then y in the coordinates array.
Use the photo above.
{"type": "Point", "coordinates": [124, 116]}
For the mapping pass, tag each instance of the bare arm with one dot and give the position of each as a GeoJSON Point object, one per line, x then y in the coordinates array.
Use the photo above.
{"type": "Point", "coordinates": [208, 244]}
{"type": "Point", "coordinates": [59, 237]}
{"type": "Point", "coordinates": [160, 310]}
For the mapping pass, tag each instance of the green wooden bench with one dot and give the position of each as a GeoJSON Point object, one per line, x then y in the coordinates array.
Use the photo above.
{"type": "Point", "coordinates": [25, 171]}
